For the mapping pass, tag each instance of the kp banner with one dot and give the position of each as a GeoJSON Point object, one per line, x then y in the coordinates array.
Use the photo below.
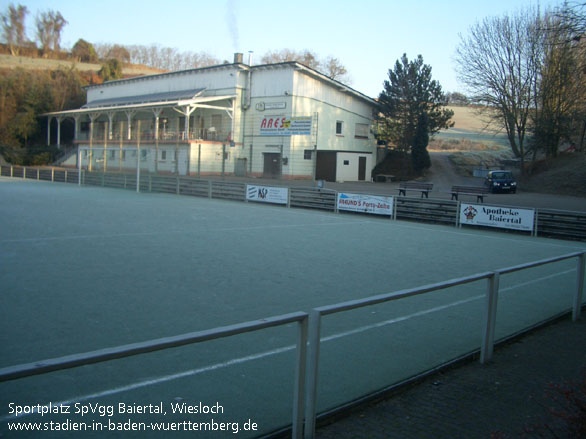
{"type": "Point", "coordinates": [501, 217]}
{"type": "Point", "coordinates": [267, 194]}
{"type": "Point", "coordinates": [377, 205]}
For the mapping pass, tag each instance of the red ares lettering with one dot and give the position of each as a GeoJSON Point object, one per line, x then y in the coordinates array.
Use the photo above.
{"type": "Point", "coordinates": [273, 123]}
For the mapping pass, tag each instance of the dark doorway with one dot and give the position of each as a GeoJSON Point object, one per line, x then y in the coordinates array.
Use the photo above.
{"type": "Point", "coordinates": [325, 167]}
{"type": "Point", "coordinates": [272, 165]}
{"type": "Point", "coordinates": [361, 168]}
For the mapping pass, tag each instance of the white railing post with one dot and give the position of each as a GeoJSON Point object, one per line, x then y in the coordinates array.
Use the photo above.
{"type": "Point", "coordinates": [312, 371]}
{"type": "Point", "coordinates": [300, 373]}
{"type": "Point", "coordinates": [487, 346]}
{"type": "Point", "coordinates": [78, 166]}
{"type": "Point", "coordinates": [580, 269]}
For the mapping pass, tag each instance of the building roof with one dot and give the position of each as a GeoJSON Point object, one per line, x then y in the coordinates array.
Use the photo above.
{"type": "Point", "coordinates": [171, 96]}
{"type": "Point", "coordinates": [239, 66]}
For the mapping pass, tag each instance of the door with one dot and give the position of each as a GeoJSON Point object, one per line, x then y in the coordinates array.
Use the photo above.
{"type": "Point", "coordinates": [325, 167]}
{"type": "Point", "coordinates": [361, 168]}
{"type": "Point", "coordinates": [272, 165]}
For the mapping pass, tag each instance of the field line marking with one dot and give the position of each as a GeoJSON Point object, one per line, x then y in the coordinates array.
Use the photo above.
{"type": "Point", "coordinates": [257, 356]}
{"type": "Point", "coordinates": [173, 232]}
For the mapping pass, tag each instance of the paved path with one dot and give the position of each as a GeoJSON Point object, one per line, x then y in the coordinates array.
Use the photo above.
{"type": "Point", "coordinates": [500, 400]}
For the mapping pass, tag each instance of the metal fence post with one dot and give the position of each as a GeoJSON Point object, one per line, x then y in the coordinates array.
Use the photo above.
{"type": "Point", "coordinates": [312, 371]}
{"type": "Point", "coordinates": [579, 287]}
{"type": "Point", "coordinates": [300, 373]}
{"type": "Point", "coordinates": [487, 346]}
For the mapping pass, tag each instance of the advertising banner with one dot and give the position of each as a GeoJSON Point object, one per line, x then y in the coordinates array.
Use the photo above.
{"type": "Point", "coordinates": [267, 194]}
{"type": "Point", "coordinates": [378, 205]}
{"type": "Point", "coordinates": [285, 126]}
{"type": "Point", "coordinates": [501, 217]}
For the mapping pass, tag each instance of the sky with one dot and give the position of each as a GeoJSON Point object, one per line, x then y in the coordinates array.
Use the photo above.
{"type": "Point", "coordinates": [366, 36]}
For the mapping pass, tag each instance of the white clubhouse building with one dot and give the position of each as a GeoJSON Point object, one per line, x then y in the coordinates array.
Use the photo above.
{"type": "Point", "coordinates": [281, 120]}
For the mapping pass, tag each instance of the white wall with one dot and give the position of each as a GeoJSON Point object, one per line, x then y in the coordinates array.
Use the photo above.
{"type": "Point", "coordinates": [349, 172]}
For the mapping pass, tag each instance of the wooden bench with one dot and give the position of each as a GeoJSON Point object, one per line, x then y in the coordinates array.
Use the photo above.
{"type": "Point", "coordinates": [478, 191]}
{"type": "Point", "coordinates": [424, 188]}
{"type": "Point", "coordinates": [383, 178]}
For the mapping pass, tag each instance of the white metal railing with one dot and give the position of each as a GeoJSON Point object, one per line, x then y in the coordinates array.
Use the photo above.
{"type": "Point", "coordinates": [490, 312]}
{"type": "Point", "coordinates": [309, 336]}
{"type": "Point", "coordinates": [108, 354]}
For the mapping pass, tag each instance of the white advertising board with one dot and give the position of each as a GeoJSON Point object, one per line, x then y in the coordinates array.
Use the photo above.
{"type": "Point", "coordinates": [267, 194]}
{"type": "Point", "coordinates": [378, 205]}
{"type": "Point", "coordinates": [501, 217]}
{"type": "Point", "coordinates": [285, 126]}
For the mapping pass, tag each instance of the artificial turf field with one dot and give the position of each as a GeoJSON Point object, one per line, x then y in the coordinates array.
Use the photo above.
{"type": "Point", "coordinates": [86, 268]}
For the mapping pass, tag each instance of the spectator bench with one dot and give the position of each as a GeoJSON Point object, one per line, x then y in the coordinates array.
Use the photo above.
{"type": "Point", "coordinates": [478, 191]}
{"type": "Point", "coordinates": [424, 188]}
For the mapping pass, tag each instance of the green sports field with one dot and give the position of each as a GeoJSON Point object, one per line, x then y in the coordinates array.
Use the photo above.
{"type": "Point", "coordinates": [85, 268]}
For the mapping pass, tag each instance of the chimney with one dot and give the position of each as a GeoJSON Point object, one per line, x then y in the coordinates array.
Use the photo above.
{"type": "Point", "coordinates": [238, 58]}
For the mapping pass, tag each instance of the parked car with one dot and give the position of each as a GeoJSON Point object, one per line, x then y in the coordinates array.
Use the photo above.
{"type": "Point", "coordinates": [501, 181]}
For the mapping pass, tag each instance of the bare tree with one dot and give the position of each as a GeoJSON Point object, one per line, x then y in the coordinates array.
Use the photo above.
{"type": "Point", "coordinates": [49, 27]}
{"type": "Point", "coordinates": [335, 70]}
{"type": "Point", "coordinates": [499, 62]}
{"type": "Point", "coordinates": [560, 89]}
{"type": "Point", "coordinates": [13, 30]}
{"type": "Point", "coordinates": [330, 66]}
{"type": "Point", "coordinates": [305, 57]}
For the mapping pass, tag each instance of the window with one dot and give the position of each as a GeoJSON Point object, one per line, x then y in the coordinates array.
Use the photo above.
{"type": "Point", "coordinates": [346, 162]}
{"type": "Point", "coordinates": [307, 154]}
{"type": "Point", "coordinates": [339, 127]}
{"type": "Point", "coordinates": [85, 153]}
{"type": "Point", "coordinates": [361, 131]}
{"type": "Point", "coordinates": [123, 155]}
{"type": "Point", "coordinates": [163, 155]}
{"type": "Point", "coordinates": [143, 154]}
{"type": "Point", "coordinates": [112, 154]}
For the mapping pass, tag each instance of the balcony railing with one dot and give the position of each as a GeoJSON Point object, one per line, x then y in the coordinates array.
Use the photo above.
{"type": "Point", "coordinates": [208, 134]}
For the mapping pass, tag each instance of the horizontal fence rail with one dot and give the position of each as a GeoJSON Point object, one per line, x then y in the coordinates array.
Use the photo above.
{"type": "Point", "coordinates": [548, 222]}
{"type": "Point", "coordinates": [490, 314]}
{"type": "Point", "coordinates": [130, 350]}
{"type": "Point", "coordinates": [309, 336]}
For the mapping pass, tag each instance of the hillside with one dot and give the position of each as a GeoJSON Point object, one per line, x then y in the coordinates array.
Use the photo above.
{"type": "Point", "coordinates": [13, 62]}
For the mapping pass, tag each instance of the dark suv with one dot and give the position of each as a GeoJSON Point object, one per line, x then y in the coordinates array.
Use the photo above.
{"type": "Point", "coordinates": [501, 181]}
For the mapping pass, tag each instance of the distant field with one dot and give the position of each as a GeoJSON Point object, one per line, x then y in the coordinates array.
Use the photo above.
{"type": "Point", "coordinates": [12, 62]}
{"type": "Point", "coordinates": [470, 132]}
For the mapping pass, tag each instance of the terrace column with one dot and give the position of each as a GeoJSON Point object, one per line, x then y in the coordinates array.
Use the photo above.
{"type": "Point", "coordinates": [76, 118]}
{"type": "Point", "coordinates": [49, 119]}
{"type": "Point", "coordinates": [93, 117]}
{"type": "Point", "coordinates": [111, 115]}
{"type": "Point", "coordinates": [129, 115]}
{"type": "Point", "coordinates": [187, 110]}
{"type": "Point", "coordinates": [157, 113]}
{"type": "Point", "coordinates": [59, 120]}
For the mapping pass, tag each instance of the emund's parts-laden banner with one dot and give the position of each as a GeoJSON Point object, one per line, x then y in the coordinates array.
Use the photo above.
{"type": "Point", "coordinates": [378, 205]}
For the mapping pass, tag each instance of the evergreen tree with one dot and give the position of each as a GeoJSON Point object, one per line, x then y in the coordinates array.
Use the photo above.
{"type": "Point", "coordinates": [419, 154]}
{"type": "Point", "coordinates": [409, 93]}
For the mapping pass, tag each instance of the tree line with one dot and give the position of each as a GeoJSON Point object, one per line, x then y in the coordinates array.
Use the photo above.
{"type": "Point", "coordinates": [525, 73]}
{"type": "Point", "coordinates": [49, 25]}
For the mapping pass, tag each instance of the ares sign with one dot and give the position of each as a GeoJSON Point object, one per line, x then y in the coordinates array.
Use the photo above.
{"type": "Point", "coordinates": [285, 126]}
{"type": "Point", "coordinates": [494, 216]}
